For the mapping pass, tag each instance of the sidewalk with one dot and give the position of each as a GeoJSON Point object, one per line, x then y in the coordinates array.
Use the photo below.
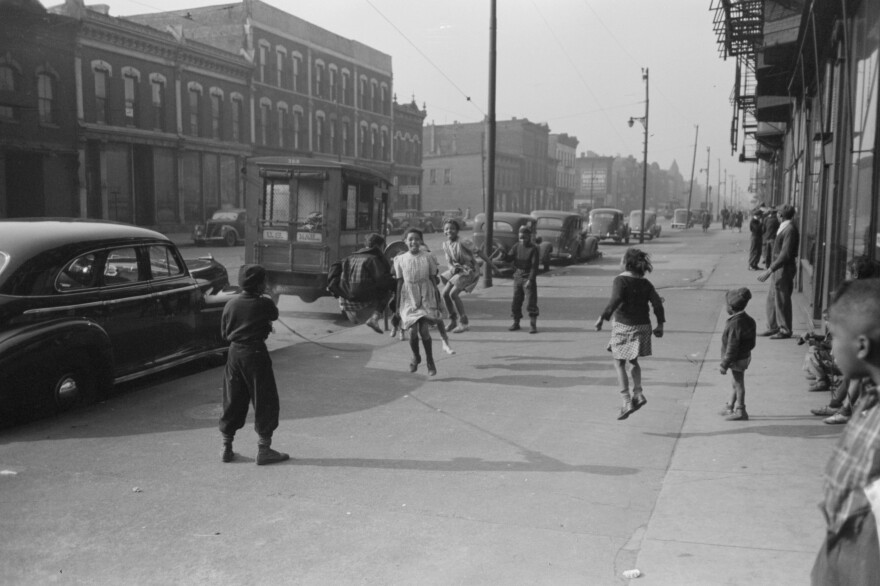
{"type": "Point", "coordinates": [739, 503]}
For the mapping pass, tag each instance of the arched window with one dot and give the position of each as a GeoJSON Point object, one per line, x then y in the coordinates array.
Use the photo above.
{"type": "Point", "coordinates": [265, 114]}
{"type": "Point", "coordinates": [319, 132]}
{"type": "Point", "coordinates": [296, 64]}
{"type": "Point", "coordinates": [319, 78]}
{"type": "Point", "coordinates": [195, 108]}
{"type": "Point", "coordinates": [102, 72]}
{"type": "Point", "coordinates": [157, 90]}
{"type": "Point", "coordinates": [131, 79]}
{"type": "Point", "coordinates": [297, 128]}
{"type": "Point", "coordinates": [10, 73]}
{"type": "Point", "coordinates": [237, 117]}
{"type": "Point", "coordinates": [216, 113]}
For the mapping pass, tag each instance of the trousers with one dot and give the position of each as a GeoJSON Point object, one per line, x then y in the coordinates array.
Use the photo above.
{"type": "Point", "coordinates": [249, 379]}
{"type": "Point", "coordinates": [524, 289]}
{"type": "Point", "coordinates": [779, 299]}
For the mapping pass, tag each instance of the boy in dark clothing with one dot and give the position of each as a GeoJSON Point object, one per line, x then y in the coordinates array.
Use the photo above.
{"type": "Point", "coordinates": [851, 504]}
{"type": "Point", "coordinates": [737, 343]}
{"type": "Point", "coordinates": [246, 323]}
{"type": "Point", "coordinates": [524, 256]}
{"type": "Point", "coordinates": [771, 225]}
{"type": "Point", "coordinates": [371, 284]}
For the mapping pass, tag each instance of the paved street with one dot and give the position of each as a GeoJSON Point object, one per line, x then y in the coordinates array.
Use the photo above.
{"type": "Point", "coordinates": [507, 468]}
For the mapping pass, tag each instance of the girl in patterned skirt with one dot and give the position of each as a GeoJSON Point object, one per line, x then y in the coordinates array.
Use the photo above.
{"type": "Point", "coordinates": [631, 332]}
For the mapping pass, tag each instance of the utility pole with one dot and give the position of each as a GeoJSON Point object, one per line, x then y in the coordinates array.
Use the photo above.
{"type": "Point", "coordinates": [691, 190]}
{"type": "Point", "coordinates": [644, 162]}
{"type": "Point", "coordinates": [718, 191]}
{"type": "Point", "coordinates": [490, 180]}
{"type": "Point", "coordinates": [708, 153]}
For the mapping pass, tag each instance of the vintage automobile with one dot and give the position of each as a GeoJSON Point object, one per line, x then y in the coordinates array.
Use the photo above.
{"type": "Point", "coordinates": [505, 233]}
{"type": "Point", "coordinates": [403, 220]}
{"type": "Point", "coordinates": [682, 218]}
{"type": "Point", "coordinates": [608, 223]}
{"type": "Point", "coordinates": [652, 228]}
{"type": "Point", "coordinates": [87, 304]}
{"type": "Point", "coordinates": [564, 231]}
{"type": "Point", "coordinates": [224, 226]}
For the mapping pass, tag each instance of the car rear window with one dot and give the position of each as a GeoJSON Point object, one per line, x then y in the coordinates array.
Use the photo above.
{"type": "Point", "coordinates": [228, 216]}
{"type": "Point", "coordinates": [80, 273]}
{"type": "Point", "coordinates": [549, 223]}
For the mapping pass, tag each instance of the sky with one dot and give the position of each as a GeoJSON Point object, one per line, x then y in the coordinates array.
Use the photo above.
{"type": "Point", "coordinates": [575, 65]}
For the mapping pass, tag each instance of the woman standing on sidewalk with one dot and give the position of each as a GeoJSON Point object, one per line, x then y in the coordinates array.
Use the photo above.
{"type": "Point", "coordinates": [631, 331]}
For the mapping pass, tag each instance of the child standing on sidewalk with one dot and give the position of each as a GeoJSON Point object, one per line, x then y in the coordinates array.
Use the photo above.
{"type": "Point", "coordinates": [631, 329]}
{"type": "Point", "coordinates": [737, 343]}
{"type": "Point", "coordinates": [851, 505]}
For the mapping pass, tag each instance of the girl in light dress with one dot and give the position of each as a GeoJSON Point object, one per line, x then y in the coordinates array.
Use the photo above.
{"type": "Point", "coordinates": [418, 300]}
{"type": "Point", "coordinates": [461, 276]}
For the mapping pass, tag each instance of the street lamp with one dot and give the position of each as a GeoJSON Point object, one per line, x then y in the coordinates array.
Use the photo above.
{"type": "Point", "coordinates": [644, 121]}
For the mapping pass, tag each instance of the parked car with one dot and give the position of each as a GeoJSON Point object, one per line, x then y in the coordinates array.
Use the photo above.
{"type": "Point", "coordinates": [224, 226]}
{"type": "Point", "coordinates": [682, 218]}
{"type": "Point", "coordinates": [505, 233]}
{"type": "Point", "coordinates": [652, 228]}
{"type": "Point", "coordinates": [565, 232]}
{"type": "Point", "coordinates": [403, 220]}
{"type": "Point", "coordinates": [608, 223]}
{"type": "Point", "coordinates": [87, 304]}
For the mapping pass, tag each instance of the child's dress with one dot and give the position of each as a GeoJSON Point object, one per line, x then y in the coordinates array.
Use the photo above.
{"type": "Point", "coordinates": [418, 294]}
{"type": "Point", "coordinates": [463, 269]}
{"type": "Point", "coordinates": [631, 327]}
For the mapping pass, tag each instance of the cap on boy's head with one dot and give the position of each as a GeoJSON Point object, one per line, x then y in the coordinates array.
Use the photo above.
{"type": "Point", "coordinates": [737, 299]}
{"type": "Point", "coordinates": [524, 230]}
{"type": "Point", "coordinates": [252, 277]}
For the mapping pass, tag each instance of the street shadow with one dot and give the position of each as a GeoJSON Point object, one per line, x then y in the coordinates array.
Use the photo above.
{"type": "Point", "coordinates": [816, 431]}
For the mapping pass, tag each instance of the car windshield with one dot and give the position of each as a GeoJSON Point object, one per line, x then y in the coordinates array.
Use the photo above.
{"type": "Point", "coordinates": [550, 223]}
{"type": "Point", "coordinates": [603, 216]}
{"type": "Point", "coordinates": [228, 216]}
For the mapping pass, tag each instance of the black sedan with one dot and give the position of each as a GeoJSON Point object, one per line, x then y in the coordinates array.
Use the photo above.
{"type": "Point", "coordinates": [86, 304]}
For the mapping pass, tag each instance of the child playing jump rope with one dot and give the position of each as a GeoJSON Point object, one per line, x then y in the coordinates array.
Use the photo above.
{"type": "Point", "coordinates": [631, 327]}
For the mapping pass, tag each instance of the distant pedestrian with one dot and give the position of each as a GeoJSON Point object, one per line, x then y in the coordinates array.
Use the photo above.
{"type": "Point", "coordinates": [850, 553]}
{"type": "Point", "coordinates": [418, 300]}
{"type": "Point", "coordinates": [771, 225]}
{"type": "Point", "coordinates": [737, 343]}
{"type": "Point", "coordinates": [738, 220]}
{"type": "Point", "coordinates": [462, 275]}
{"type": "Point", "coordinates": [756, 229]}
{"type": "Point", "coordinates": [725, 218]}
{"type": "Point", "coordinates": [248, 379]}
{"type": "Point", "coordinates": [524, 256]}
{"type": "Point", "coordinates": [782, 269]}
{"type": "Point", "coordinates": [706, 220]}
{"type": "Point", "coordinates": [631, 331]}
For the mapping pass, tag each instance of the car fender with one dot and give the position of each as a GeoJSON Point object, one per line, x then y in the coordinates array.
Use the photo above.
{"type": "Point", "coordinates": [43, 343]}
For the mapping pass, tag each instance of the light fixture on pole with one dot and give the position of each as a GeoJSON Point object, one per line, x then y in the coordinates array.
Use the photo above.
{"type": "Point", "coordinates": [644, 121]}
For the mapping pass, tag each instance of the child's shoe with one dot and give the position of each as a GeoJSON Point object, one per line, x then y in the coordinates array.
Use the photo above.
{"type": "Point", "coordinates": [626, 410]}
{"type": "Point", "coordinates": [728, 409]}
{"type": "Point", "coordinates": [461, 328]}
{"type": "Point", "coordinates": [838, 418]}
{"type": "Point", "coordinates": [739, 414]}
{"type": "Point", "coordinates": [638, 401]}
{"type": "Point", "coordinates": [447, 348]}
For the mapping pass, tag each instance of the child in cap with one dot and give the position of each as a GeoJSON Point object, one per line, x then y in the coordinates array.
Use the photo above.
{"type": "Point", "coordinates": [737, 343]}
{"type": "Point", "coordinates": [851, 504]}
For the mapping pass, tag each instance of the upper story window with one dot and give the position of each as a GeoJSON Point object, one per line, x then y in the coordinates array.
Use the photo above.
{"type": "Point", "coordinates": [283, 125]}
{"type": "Point", "coordinates": [101, 94]}
{"type": "Point", "coordinates": [297, 129]}
{"type": "Point", "coordinates": [319, 132]}
{"type": "Point", "coordinates": [319, 79]}
{"type": "Point", "coordinates": [334, 90]}
{"type": "Point", "coordinates": [131, 79]}
{"type": "Point", "coordinates": [383, 100]}
{"type": "Point", "coordinates": [362, 93]}
{"type": "Point", "coordinates": [157, 89]}
{"type": "Point", "coordinates": [46, 98]}
{"type": "Point", "coordinates": [374, 95]}
{"type": "Point", "coordinates": [265, 113]}
{"type": "Point", "coordinates": [296, 67]}
{"type": "Point", "coordinates": [237, 118]}
{"type": "Point", "coordinates": [280, 69]}
{"type": "Point", "coordinates": [385, 147]}
{"type": "Point", "coordinates": [346, 88]}
{"type": "Point", "coordinates": [447, 176]}
{"type": "Point", "coordinates": [346, 138]}
{"type": "Point", "coordinates": [364, 140]}
{"type": "Point", "coordinates": [334, 145]}
{"type": "Point", "coordinates": [195, 103]}
{"type": "Point", "coordinates": [216, 115]}
{"type": "Point", "coordinates": [7, 85]}
{"type": "Point", "coordinates": [264, 57]}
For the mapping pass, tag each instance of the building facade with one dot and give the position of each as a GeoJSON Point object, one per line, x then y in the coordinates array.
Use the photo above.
{"type": "Point", "coordinates": [562, 180]}
{"type": "Point", "coordinates": [407, 156]}
{"type": "Point", "coordinates": [38, 126]}
{"type": "Point", "coordinates": [454, 159]}
{"type": "Point", "coordinates": [806, 110]}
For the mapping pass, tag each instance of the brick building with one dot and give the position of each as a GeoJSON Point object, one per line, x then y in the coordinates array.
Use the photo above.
{"type": "Point", "coordinates": [38, 145]}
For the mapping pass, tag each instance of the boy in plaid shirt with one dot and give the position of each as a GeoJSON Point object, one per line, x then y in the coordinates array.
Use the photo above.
{"type": "Point", "coordinates": [851, 552]}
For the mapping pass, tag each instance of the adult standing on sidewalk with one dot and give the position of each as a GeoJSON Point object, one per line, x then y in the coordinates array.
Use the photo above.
{"type": "Point", "coordinates": [756, 228]}
{"type": "Point", "coordinates": [782, 268]}
{"type": "Point", "coordinates": [771, 225]}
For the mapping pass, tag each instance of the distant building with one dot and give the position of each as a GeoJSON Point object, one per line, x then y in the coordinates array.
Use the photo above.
{"type": "Point", "coordinates": [407, 170]}
{"type": "Point", "coordinates": [563, 180]}
{"type": "Point", "coordinates": [38, 98]}
{"type": "Point", "coordinates": [454, 158]}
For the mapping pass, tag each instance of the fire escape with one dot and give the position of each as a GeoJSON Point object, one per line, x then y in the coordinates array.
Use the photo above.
{"type": "Point", "coordinates": [738, 26]}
